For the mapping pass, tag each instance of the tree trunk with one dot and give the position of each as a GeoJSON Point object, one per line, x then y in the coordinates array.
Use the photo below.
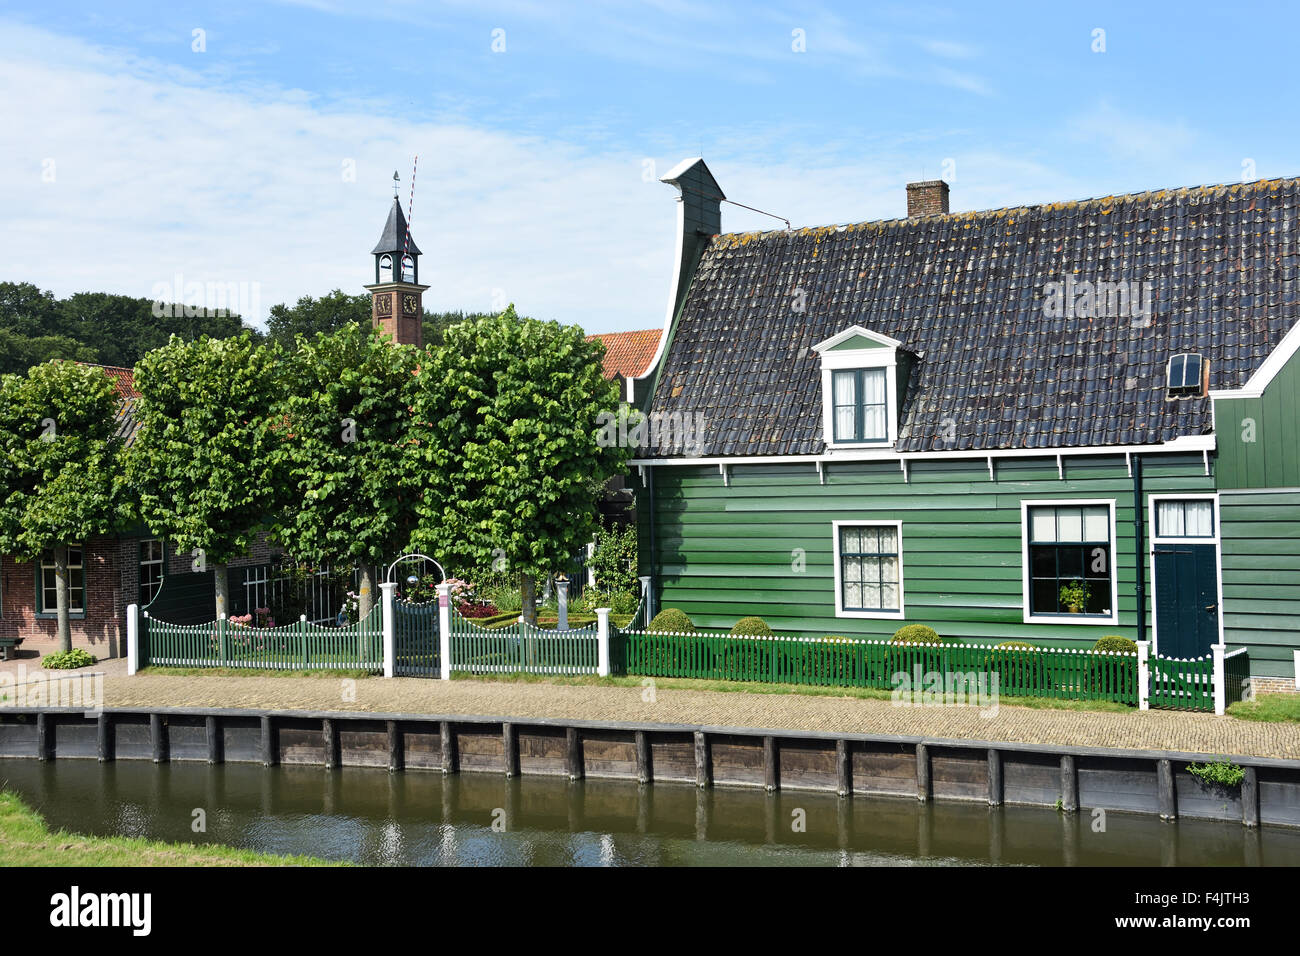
{"type": "Point", "coordinates": [61, 590]}
{"type": "Point", "coordinates": [222, 590]}
{"type": "Point", "coordinates": [366, 591]}
{"type": "Point", "coordinates": [528, 594]}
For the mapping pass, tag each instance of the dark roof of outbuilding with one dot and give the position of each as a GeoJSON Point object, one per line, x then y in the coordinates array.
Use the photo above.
{"type": "Point", "coordinates": [394, 236]}
{"type": "Point", "coordinates": [964, 292]}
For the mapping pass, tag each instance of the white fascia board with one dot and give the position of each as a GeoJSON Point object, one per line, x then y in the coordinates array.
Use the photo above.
{"type": "Point", "coordinates": [850, 332]}
{"type": "Point", "coordinates": [1276, 361]}
{"type": "Point", "coordinates": [1184, 443]}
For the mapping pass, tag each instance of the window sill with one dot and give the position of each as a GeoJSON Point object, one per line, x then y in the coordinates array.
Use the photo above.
{"type": "Point", "coordinates": [872, 615]}
{"type": "Point", "coordinates": [54, 615]}
{"type": "Point", "coordinates": [1073, 619]}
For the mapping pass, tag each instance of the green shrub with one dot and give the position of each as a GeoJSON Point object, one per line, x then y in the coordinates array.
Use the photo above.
{"type": "Point", "coordinates": [671, 620]}
{"type": "Point", "coordinates": [1223, 773]}
{"type": "Point", "coordinates": [67, 660]}
{"type": "Point", "coordinates": [1114, 644]}
{"type": "Point", "coordinates": [916, 634]}
{"type": "Point", "coordinates": [752, 627]}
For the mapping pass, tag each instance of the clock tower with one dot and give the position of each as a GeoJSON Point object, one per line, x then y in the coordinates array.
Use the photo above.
{"type": "Point", "coordinates": [395, 296]}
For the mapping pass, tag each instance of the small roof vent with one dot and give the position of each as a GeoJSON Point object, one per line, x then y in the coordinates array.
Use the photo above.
{"type": "Point", "coordinates": [1186, 376]}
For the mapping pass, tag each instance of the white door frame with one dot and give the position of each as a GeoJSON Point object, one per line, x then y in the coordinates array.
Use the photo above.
{"type": "Point", "coordinates": [1152, 538]}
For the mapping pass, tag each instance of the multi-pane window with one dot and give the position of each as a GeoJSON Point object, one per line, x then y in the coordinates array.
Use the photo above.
{"type": "Point", "coordinates": [860, 407]}
{"type": "Point", "coordinates": [1070, 560]}
{"type": "Point", "coordinates": [869, 568]}
{"type": "Point", "coordinates": [48, 593]}
{"type": "Point", "coordinates": [151, 570]}
{"type": "Point", "coordinates": [1185, 519]}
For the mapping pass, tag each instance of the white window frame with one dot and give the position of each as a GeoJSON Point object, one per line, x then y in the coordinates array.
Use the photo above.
{"type": "Point", "coordinates": [160, 563]}
{"type": "Point", "coordinates": [839, 577]}
{"type": "Point", "coordinates": [833, 360]}
{"type": "Point", "coordinates": [1153, 538]}
{"type": "Point", "coordinates": [1071, 620]}
{"type": "Point", "coordinates": [42, 567]}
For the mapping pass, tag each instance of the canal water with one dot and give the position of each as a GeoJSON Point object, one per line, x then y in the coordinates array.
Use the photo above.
{"type": "Point", "coordinates": [415, 818]}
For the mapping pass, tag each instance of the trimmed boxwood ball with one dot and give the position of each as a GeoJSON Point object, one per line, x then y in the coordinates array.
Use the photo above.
{"type": "Point", "coordinates": [1114, 643]}
{"type": "Point", "coordinates": [671, 620]}
{"type": "Point", "coordinates": [752, 626]}
{"type": "Point", "coordinates": [916, 634]}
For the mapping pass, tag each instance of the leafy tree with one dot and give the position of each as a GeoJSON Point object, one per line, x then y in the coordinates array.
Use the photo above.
{"type": "Point", "coordinates": [507, 430]}
{"type": "Point", "coordinates": [122, 328]}
{"type": "Point", "coordinates": [27, 310]}
{"type": "Point", "coordinates": [60, 467]}
{"type": "Point", "coordinates": [349, 471]}
{"type": "Point", "coordinates": [309, 317]}
{"type": "Point", "coordinates": [203, 461]}
{"type": "Point", "coordinates": [19, 352]}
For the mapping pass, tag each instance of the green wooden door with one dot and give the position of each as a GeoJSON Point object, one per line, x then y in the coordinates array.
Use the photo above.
{"type": "Point", "coordinates": [1187, 601]}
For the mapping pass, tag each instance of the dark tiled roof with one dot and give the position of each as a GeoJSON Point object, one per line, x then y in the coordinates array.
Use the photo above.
{"type": "Point", "coordinates": [124, 382]}
{"type": "Point", "coordinates": [628, 353]}
{"type": "Point", "coordinates": [965, 292]}
{"type": "Point", "coordinates": [394, 236]}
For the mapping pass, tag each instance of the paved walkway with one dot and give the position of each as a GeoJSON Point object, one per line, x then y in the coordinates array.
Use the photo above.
{"type": "Point", "coordinates": [1156, 730]}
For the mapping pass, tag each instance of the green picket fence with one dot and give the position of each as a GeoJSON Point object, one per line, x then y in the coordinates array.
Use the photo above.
{"type": "Point", "coordinates": [521, 648]}
{"type": "Point", "coordinates": [301, 645]}
{"type": "Point", "coordinates": [1182, 684]}
{"type": "Point", "coordinates": [1236, 673]}
{"type": "Point", "coordinates": [1059, 673]}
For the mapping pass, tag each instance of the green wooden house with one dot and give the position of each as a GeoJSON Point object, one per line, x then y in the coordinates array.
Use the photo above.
{"type": "Point", "coordinates": [1047, 423]}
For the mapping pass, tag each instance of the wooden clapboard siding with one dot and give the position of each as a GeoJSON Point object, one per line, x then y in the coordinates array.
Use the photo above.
{"type": "Point", "coordinates": [1261, 576]}
{"type": "Point", "coordinates": [724, 552]}
{"type": "Point", "coordinates": [1259, 438]}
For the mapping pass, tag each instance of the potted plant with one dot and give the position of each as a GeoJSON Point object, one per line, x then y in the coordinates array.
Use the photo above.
{"type": "Point", "coordinates": [1075, 595]}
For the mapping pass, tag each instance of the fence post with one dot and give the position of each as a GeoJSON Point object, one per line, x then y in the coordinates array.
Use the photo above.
{"type": "Point", "coordinates": [222, 649]}
{"type": "Point", "coordinates": [132, 638]}
{"type": "Point", "coordinates": [562, 605]}
{"type": "Point", "coordinates": [302, 638]}
{"type": "Point", "coordinates": [1144, 675]}
{"type": "Point", "coordinates": [602, 641]}
{"type": "Point", "coordinates": [646, 599]}
{"type": "Point", "coordinates": [388, 622]}
{"type": "Point", "coordinates": [1220, 691]}
{"type": "Point", "coordinates": [444, 630]}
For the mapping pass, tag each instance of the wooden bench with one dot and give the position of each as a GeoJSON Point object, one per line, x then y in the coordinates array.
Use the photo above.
{"type": "Point", "coordinates": [7, 647]}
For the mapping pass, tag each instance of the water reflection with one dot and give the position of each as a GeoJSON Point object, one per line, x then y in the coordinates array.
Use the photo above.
{"type": "Point", "coordinates": [373, 817]}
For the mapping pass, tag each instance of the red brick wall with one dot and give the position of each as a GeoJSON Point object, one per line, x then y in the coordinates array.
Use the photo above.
{"type": "Point", "coordinates": [112, 572]}
{"type": "Point", "coordinates": [102, 630]}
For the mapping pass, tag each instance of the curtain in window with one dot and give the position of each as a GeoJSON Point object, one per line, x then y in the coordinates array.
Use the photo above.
{"type": "Point", "coordinates": [873, 404]}
{"type": "Point", "coordinates": [845, 385]}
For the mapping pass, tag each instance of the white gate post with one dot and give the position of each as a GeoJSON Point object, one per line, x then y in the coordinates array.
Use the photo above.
{"type": "Point", "coordinates": [1297, 669]}
{"type": "Point", "coordinates": [562, 604]}
{"type": "Point", "coordinates": [1144, 675]}
{"type": "Point", "coordinates": [602, 641]}
{"type": "Point", "coordinates": [645, 596]}
{"type": "Point", "coordinates": [444, 629]}
{"type": "Point", "coordinates": [1220, 692]}
{"type": "Point", "coordinates": [388, 602]}
{"type": "Point", "coordinates": [132, 638]}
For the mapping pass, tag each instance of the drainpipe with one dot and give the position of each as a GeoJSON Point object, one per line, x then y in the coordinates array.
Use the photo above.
{"type": "Point", "coordinates": [650, 505]}
{"type": "Point", "coordinates": [1140, 546]}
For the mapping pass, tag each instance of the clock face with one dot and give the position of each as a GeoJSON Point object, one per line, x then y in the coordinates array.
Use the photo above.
{"type": "Point", "coordinates": [410, 304]}
{"type": "Point", "coordinates": [384, 304]}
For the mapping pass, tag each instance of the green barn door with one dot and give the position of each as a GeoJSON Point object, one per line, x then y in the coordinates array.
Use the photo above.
{"type": "Point", "coordinates": [1187, 599]}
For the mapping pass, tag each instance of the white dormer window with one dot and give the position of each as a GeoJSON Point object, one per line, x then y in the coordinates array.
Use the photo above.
{"type": "Point", "coordinates": [859, 388]}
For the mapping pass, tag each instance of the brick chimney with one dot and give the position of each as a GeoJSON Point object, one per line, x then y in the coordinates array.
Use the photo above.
{"type": "Point", "coordinates": [929, 198]}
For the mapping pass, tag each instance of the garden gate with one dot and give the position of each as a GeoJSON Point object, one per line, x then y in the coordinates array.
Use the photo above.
{"type": "Point", "coordinates": [416, 639]}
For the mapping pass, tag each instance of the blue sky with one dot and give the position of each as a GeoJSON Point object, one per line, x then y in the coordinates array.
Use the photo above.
{"type": "Point", "coordinates": [266, 156]}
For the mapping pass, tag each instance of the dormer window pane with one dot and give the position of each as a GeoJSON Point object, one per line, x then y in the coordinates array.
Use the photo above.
{"type": "Point", "coordinates": [860, 404]}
